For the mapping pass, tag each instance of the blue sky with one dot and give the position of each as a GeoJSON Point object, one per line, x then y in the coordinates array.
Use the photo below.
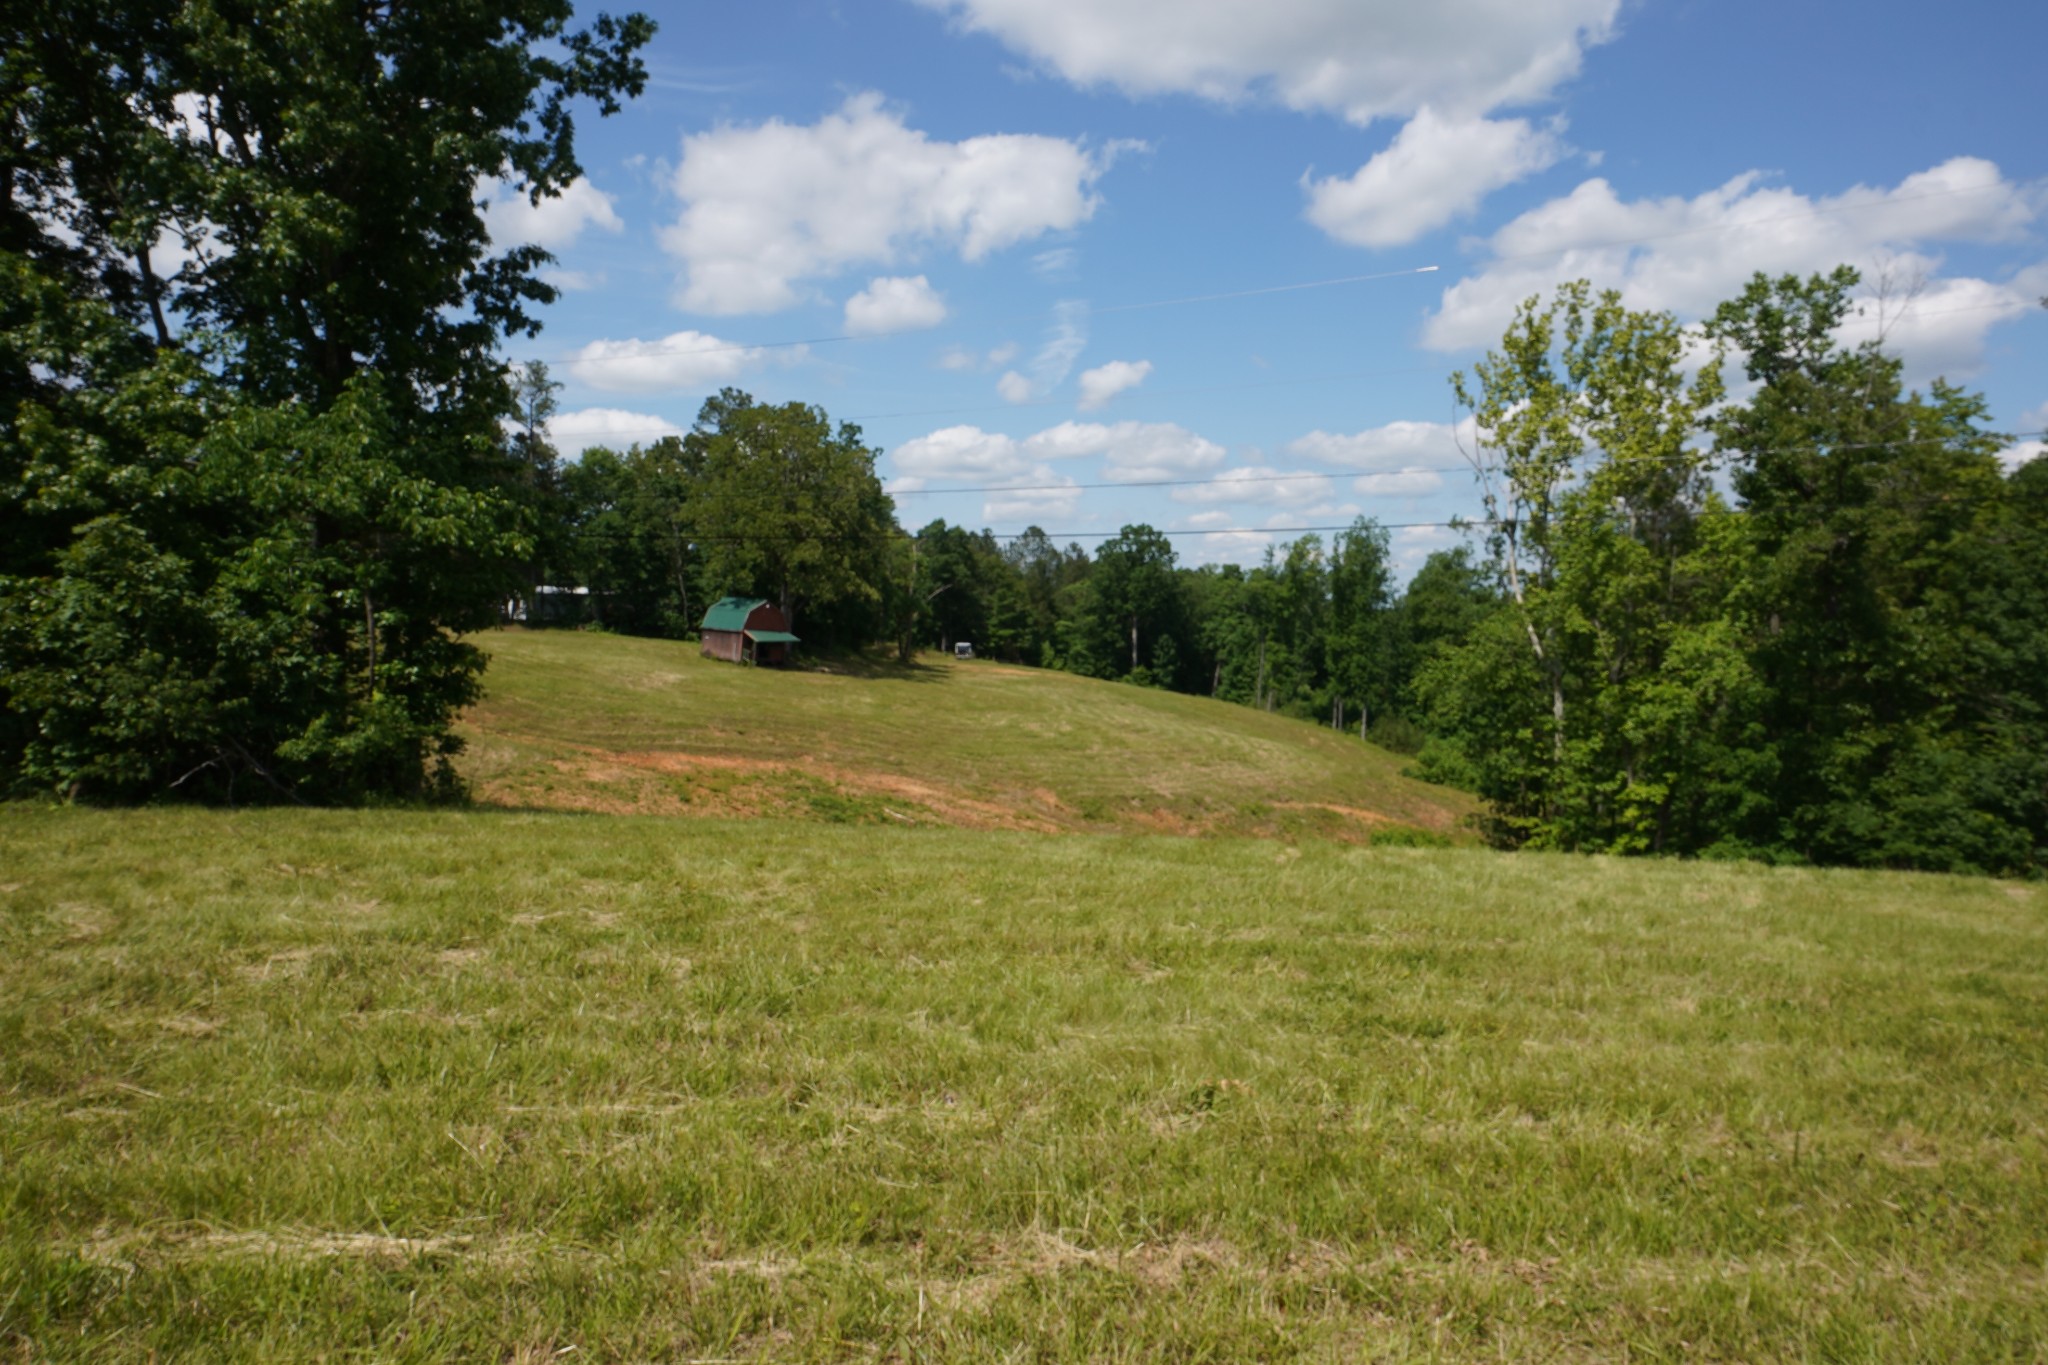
{"type": "Point", "coordinates": [1167, 260]}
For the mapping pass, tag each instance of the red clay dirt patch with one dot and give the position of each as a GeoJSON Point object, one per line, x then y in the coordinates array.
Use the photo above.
{"type": "Point", "coordinates": [737, 786]}
{"type": "Point", "coordinates": [1430, 817]}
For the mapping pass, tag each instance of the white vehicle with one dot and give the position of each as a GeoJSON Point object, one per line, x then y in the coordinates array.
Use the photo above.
{"type": "Point", "coordinates": [963, 650]}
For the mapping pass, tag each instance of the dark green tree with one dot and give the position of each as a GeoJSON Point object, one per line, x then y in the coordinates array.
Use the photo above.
{"type": "Point", "coordinates": [1133, 605]}
{"type": "Point", "coordinates": [252, 478]}
{"type": "Point", "coordinates": [1887, 615]}
{"type": "Point", "coordinates": [789, 509]}
{"type": "Point", "coordinates": [1361, 647]}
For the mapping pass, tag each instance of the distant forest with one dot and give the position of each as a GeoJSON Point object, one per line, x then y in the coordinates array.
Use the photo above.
{"type": "Point", "coordinates": [1806, 624]}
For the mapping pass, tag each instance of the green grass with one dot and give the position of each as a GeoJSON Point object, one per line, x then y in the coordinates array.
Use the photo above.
{"type": "Point", "coordinates": [490, 1086]}
{"type": "Point", "coordinates": [581, 721]}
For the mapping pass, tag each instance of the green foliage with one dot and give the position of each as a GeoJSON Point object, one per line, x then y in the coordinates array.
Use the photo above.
{"type": "Point", "coordinates": [783, 507]}
{"type": "Point", "coordinates": [249, 504]}
{"type": "Point", "coordinates": [629, 537]}
{"type": "Point", "coordinates": [1844, 668]}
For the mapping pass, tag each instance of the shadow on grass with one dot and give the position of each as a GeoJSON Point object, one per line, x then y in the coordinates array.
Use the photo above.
{"type": "Point", "coordinates": [872, 667]}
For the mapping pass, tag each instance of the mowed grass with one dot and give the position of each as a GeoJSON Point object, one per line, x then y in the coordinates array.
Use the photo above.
{"type": "Point", "coordinates": [582, 721]}
{"type": "Point", "coordinates": [487, 1086]}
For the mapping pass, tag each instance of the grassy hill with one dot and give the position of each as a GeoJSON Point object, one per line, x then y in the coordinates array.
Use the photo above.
{"type": "Point", "coordinates": [576, 721]}
{"type": "Point", "coordinates": [296, 1085]}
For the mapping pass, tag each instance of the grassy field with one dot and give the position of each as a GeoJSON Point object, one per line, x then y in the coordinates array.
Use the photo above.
{"type": "Point", "coordinates": [504, 1086]}
{"type": "Point", "coordinates": [577, 721]}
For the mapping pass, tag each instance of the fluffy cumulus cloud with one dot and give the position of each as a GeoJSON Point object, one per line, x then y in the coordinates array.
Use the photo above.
{"type": "Point", "coordinates": [1400, 458]}
{"type": "Point", "coordinates": [1105, 382]}
{"type": "Point", "coordinates": [1435, 170]}
{"type": "Point", "coordinates": [895, 303]}
{"type": "Point", "coordinates": [768, 207]}
{"type": "Point", "coordinates": [681, 360]}
{"type": "Point", "coordinates": [554, 223]}
{"type": "Point", "coordinates": [1259, 486]}
{"type": "Point", "coordinates": [1689, 254]}
{"type": "Point", "coordinates": [2032, 443]}
{"type": "Point", "coordinates": [574, 432]}
{"type": "Point", "coordinates": [969, 453]}
{"type": "Point", "coordinates": [1015, 388]}
{"type": "Point", "coordinates": [1361, 59]}
{"type": "Point", "coordinates": [1130, 452]}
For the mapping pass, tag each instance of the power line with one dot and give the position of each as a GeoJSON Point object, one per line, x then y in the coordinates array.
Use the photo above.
{"type": "Point", "coordinates": [727, 347]}
{"type": "Point", "coordinates": [1707, 230]}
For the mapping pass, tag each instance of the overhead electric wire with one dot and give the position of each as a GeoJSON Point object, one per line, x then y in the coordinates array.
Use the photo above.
{"type": "Point", "coordinates": [726, 347]}
{"type": "Point", "coordinates": [578, 358]}
{"type": "Point", "coordinates": [1304, 476]}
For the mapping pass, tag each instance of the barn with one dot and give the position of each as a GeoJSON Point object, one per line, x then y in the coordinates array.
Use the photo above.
{"type": "Point", "coordinates": [747, 630]}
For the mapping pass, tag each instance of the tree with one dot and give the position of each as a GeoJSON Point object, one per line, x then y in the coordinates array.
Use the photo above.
{"type": "Point", "coordinates": [628, 536]}
{"type": "Point", "coordinates": [251, 470]}
{"type": "Point", "coordinates": [1887, 614]}
{"type": "Point", "coordinates": [1596, 493]}
{"type": "Point", "coordinates": [789, 509]}
{"type": "Point", "coordinates": [539, 469]}
{"type": "Point", "coordinates": [1133, 601]}
{"type": "Point", "coordinates": [1360, 646]}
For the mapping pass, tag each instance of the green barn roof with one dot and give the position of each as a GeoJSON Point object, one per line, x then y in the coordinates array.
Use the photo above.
{"type": "Point", "coordinates": [772, 637]}
{"type": "Point", "coordinates": [730, 613]}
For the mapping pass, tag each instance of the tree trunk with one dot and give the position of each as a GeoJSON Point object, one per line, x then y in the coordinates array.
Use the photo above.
{"type": "Point", "coordinates": [1134, 642]}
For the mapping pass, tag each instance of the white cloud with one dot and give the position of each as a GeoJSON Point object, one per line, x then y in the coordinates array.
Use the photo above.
{"type": "Point", "coordinates": [573, 432]}
{"type": "Point", "coordinates": [1054, 496]}
{"type": "Point", "coordinates": [1400, 458]}
{"type": "Point", "coordinates": [1436, 169]}
{"type": "Point", "coordinates": [1688, 255]}
{"type": "Point", "coordinates": [895, 303]}
{"type": "Point", "coordinates": [680, 360]}
{"type": "Point", "coordinates": [961, 358]}
{"type": "Point", "coordinates": [573, 281]}
{"type": "Point", "coordinates": [2032, 445]}
{"type": "Point", "coordinates": [1105, 382]}
{"type": "Point", "coordinates": [554, 223]}
{"type": "Point", "coordinates": [1260, 485]}
{"type": "Point", "coordinates": [1363, 59]}
{"type": "Point", "coordinates": [1133, 451]}
{"type": "Point", "coordinates": [766, 208]}
{"type": "Point", "coordinates": [960, 452]}
{"type": "Point", "coordinates": [968, 452]}
{"type": "Point", "coordinates": [1057, 265]}
{"type": "Point", "coordinates": [1064, 342]}
{"type": "Point", "coordinates": [1412, 545]}
{"type": "Point", "coordinates": [1227, 547]}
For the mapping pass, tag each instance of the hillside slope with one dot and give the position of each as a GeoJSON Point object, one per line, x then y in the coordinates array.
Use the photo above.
{"type": "Point", "coordinates": [575, 721]}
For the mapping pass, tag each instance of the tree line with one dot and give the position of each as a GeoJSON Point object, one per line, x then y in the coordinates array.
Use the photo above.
{"type": "Point", "coordinates": [1805, 623]}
